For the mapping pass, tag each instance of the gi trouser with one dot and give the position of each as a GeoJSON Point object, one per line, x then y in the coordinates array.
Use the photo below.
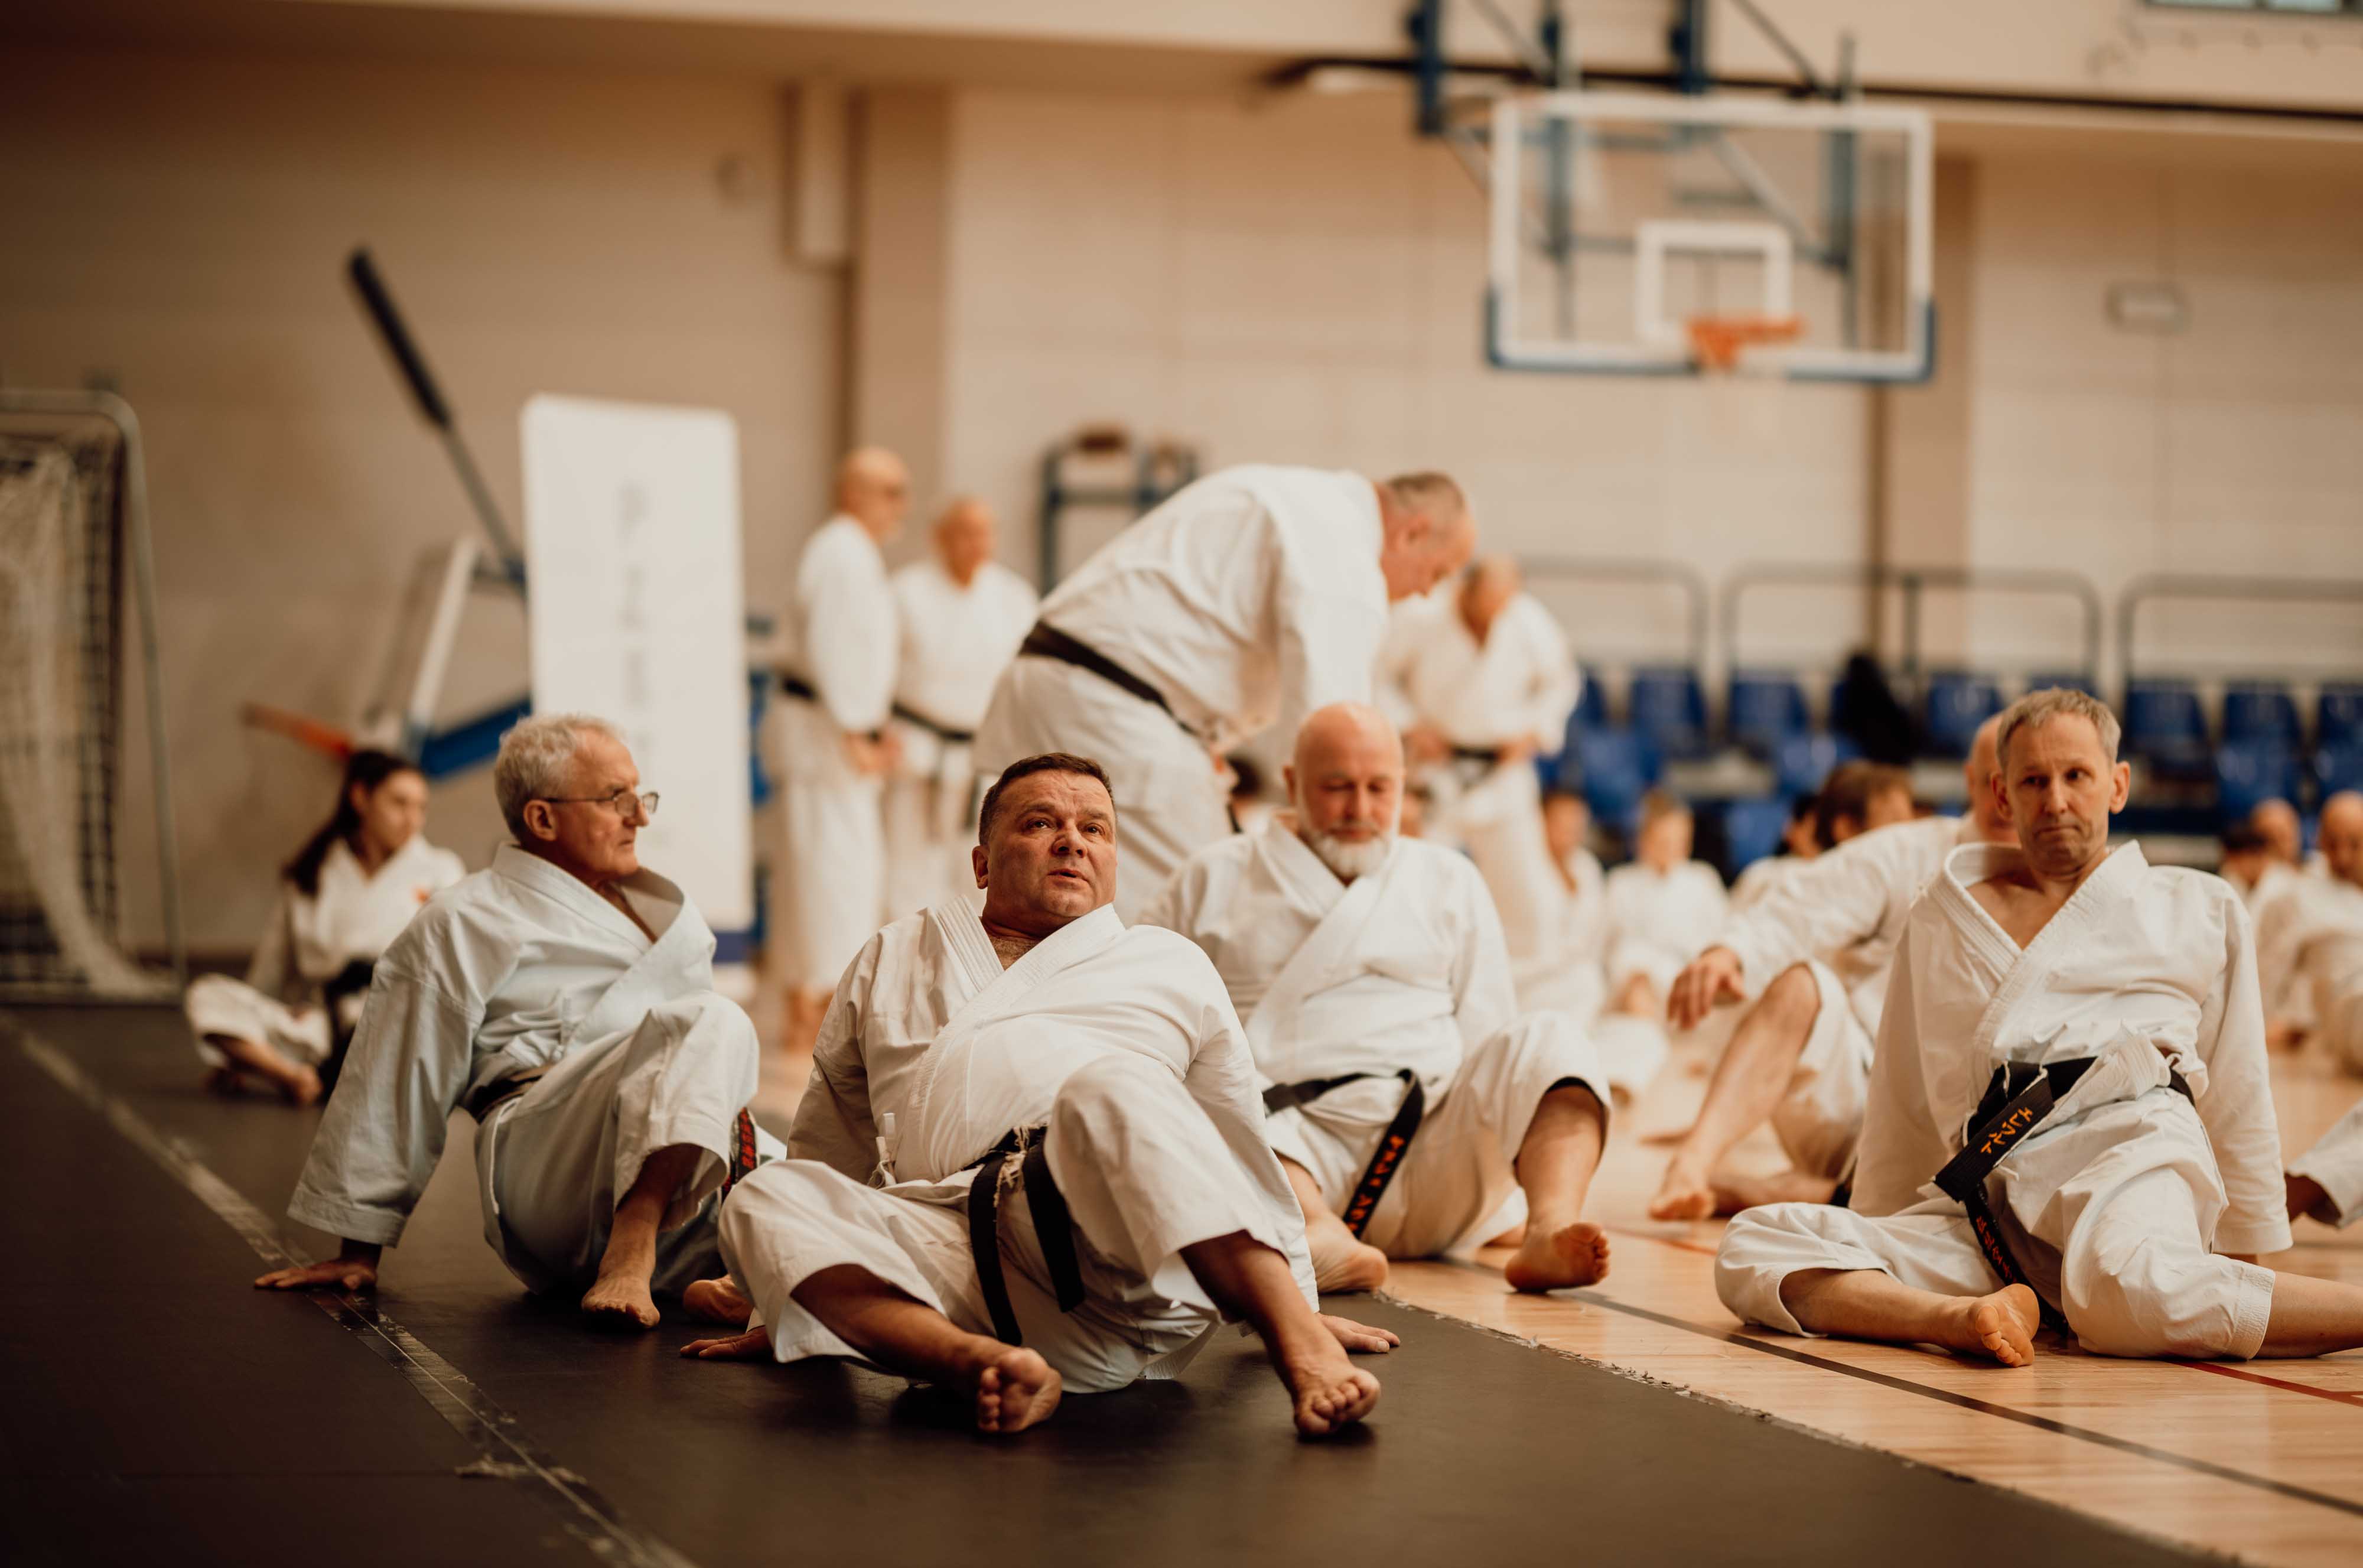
{"type": "Point", "coordinates": [830, 871]}
{"type": "Point", "coordinates": [1144, 1174]}
{"type": "Point", "coordinates": [1819, 1119]}
{"type": "Point", "coordinates": [217, 1005]}
{"type": "Point", "coordinates": [1458, 1185]}
{"type": "Point", "coordinates": [553, 1163]}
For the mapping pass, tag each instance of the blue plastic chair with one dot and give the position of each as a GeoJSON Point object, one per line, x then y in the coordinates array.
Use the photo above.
{"type": "Point", "coordinates": [1958, 704]}
{"type": "Point", "coordinates": [2163, 726]}
{"type": "Point", "coordinates": [1664, 705]}
{"type": "Point", "coordinates": [2339, 714]}
{"type": "Point", "coordinates": [2261, 710]}
{"type": "Point", "coordinates": [1614, 768]}
{"type": "Point", "coordinates": [1800, 762]}
{"type": "Point", "coordinates": [2339, 766]}
{"type": "Point", "coordinates": [1590, 703]}
{"type": "Point", "coordinates": [1766, 707]}
{"type": "Point", "coordinates": [2250, 772]}
{"type": "Point", "coordinates": [1752, 829]}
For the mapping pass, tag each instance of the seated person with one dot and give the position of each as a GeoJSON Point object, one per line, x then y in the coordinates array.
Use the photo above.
{"type": "Point", "coordinates": [2072, 1056]}
{"type": "Point", "coordinates": [1036, 1050]}
{"type": "Point", "coordinates": [1409, 1102]}
{"type": "Point", "coordinates": [2247, 857]}
{"type": "Point", "coordinates": [1567, 972]}
{"type": "Point", "coordinates": [1662, 908]}
{"type": "Point", "coordinates": [2310, 941]}
{"type": "Point", "coordinates": [2325, 1182]}
{"type": "Point", "coordinates": [1799, 842]}
{"type": "Point", "coordinates": [565, 997]}
{"type": "Point", "coordinates": [1813, 954]}
{"type": "Point", "coordinates": [349, 892]}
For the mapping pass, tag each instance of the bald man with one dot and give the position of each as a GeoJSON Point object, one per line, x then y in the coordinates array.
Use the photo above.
{"type": "Point", "coordinates": [1482, 688]}
{"type": "Point", "coordinates": [1410, 1106]}
{"type": "Point", "coordinates": [2310, 943]}
{"type": "Point", "coordinates": [962, 616]}
{"type": "Point", "coordinates": [1812, 957]}
{"type": "Point", "coordinates": [1253, 597]}
{"type": "Point", "coordinates": [833, 748]}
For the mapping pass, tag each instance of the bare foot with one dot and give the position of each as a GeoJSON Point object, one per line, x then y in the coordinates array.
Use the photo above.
{"type": "Point", "coordinates": [753, 1345]}
{"type": "Point", "coordinates": [717, 1301]}
{"type": "Point", "coordinates": [1360, 1339]}
{"type": "Point", "coordinates": [2001, 1326]}
{"type": "Point", "coordinates": [1684, 1194]}
{"type": "Point", "coordinates": [1572, 1255]}
{"type": "Point", "coordinates": [1341, 1261]}
{"type": "Point", "coordinates": [1330, 1392]}
{"type": "Point", "coordinates": [1732, 1194]}
{"type": "Point", "coordinates": [619, 1298]}
{"type": "Point", "coordinates": [1016, 1388]}
{"type": "Point", "coordinates": [1509, 1238]}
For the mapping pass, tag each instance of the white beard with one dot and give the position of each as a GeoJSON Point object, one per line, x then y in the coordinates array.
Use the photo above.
{"type": "Point", "coordinates": [1347, 859]}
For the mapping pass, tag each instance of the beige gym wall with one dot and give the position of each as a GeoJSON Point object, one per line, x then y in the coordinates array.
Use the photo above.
{"type": "Point", "coordinates": [179, 224]}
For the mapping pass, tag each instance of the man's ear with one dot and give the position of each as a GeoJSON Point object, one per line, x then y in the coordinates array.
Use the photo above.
{"type": "Point", "coordinates": [976, 864]}
{"type": "Point", "coordinates": [541, 820]}
{"type": "Point", "coordinates": [2121, 787]}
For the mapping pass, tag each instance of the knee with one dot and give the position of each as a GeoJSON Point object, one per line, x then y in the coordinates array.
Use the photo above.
{"type": "Point", "coordinates": [708, 1022]}
{"type": "Point", "coordinates": [2153, 1297]}
{"type": "Point", "coordinates": [1108, 1093]}
{"type": "Point", "coordinates": [1794, 994]}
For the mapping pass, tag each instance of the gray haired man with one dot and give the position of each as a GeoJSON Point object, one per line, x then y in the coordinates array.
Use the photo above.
{"type": "Point", "coordinates": [564, 998]}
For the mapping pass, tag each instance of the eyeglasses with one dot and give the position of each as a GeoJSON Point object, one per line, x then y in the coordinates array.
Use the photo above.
{"type": "Point", "coordinates": [620, 803]}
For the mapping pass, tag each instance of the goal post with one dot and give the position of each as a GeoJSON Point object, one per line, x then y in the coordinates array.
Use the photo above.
{"type": "Point", "coordinates": [73, 547]}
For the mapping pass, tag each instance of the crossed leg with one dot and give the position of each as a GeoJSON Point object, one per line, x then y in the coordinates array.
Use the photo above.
{"type": "Point", "coordinates": [1748, 1085]}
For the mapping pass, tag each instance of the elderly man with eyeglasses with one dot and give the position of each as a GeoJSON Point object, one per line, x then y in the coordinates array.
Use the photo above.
{"type": "Point", "coordinates": [564, 998]}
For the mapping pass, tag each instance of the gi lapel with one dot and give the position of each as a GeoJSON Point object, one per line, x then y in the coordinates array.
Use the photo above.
{"type": "Point", "coordinates": [1327, 954]}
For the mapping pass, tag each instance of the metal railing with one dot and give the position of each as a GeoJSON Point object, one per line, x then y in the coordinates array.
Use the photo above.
{"type": "Point", "coordinates": [1913, 582]}
{"type": "Point", "coordinates": [2160, 585]}
{"type": "Point", "coordinates": [1684, 578]}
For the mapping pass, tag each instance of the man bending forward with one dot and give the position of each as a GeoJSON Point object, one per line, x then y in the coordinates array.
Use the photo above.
{"type": "Point", "coordinates": [1409, 1105]}
{"type": "Point", "coordinates": [1029, 1151]}
{"type": "Point", "coordinates": [2069, 1115]}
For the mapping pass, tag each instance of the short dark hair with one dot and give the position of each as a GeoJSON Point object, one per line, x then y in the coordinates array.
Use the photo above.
{"type": "Point", "coordinates": [1848, 792]}
{"type": "Point", "coordinates": [2240, 839]}
{"type": "Point", "coordinates": [1024, 767]}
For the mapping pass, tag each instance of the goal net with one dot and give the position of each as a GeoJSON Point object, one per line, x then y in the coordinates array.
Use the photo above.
{"type": "Point", "coordinates": [61, 696]}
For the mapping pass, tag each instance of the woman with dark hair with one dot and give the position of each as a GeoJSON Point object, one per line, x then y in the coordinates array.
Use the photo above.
{"type": "Point", "coordinates": [342, 899]}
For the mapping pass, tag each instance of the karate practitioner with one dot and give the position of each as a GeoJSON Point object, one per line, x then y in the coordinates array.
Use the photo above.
{"type": "Point", "coordinates": [1030, 1151]}
{"type": "Point", "coordinates": [349, 892]}
{"type": "Point", "coordinates": [1814, 956]}
{"type": "Point", "coordinates": [564, 998]}
{"type": "Point", "coordinates": [1567, 972]}
{"type": "Point", "coordinates": [1409, 1102]}
{"type": "Point", "coordinates": [2073, 1055]}
{"type": "Point", "coordinates": [1483, 686]}
{"type": "Point", "coordinates": [1799, 841]}
{"type": "Point", "coordinates": [2326, 1182]}
{"type": "Point", "coordinates": [962, 616]}
{"type": "Point", "coordinates": [2308, 934]}
{"type": "Point", "coordinates": [834, 748]}
{"type": "Point", "coordinates": [1255, 595]}
{"type": "Point", "coordinates": [1663, 906]}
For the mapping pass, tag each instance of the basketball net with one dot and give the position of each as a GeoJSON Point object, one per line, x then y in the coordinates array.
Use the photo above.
{"type": "Point", "coordinates": [1717, 342]}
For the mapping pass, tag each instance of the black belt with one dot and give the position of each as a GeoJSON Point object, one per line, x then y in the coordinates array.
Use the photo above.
{"type": "Point", "coordinates": [500, 1090]}
{"type": "Point", "coordinates": [1054, 1228]}
{"type": "Point", "coordinates": [1046, 642]}
{"type": "Point", "coordinates": [2017, 1098]}
{"type": "Point", "coordinates": [1489, 755]}
{"type": "Point", "coordinates": [797, 686]}
{"type": "Point", "coordinates": [1392, 1145]}
{"type": "Point", "coordinates": [943, 732]}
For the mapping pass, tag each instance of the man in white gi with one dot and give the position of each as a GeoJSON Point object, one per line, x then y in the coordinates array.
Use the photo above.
{"type": "Point", "coordinates": [1255, 595]}
{"type": "Point", "coordinates": [1799, 841]}
{"type": "Point", "coordinates": [1482, 688]}
{"type": "Point", "coordinates": [962, 616]}
{"type": "Point", "coordinates": [2308, 936]}
{"type": "Point", "coordinates": [1663, 906]}
{"type": "Point", "coordinates": [1814, 953]}
{"type": "Point", "coordinates": [565, 998]}
{"type": "Point", "coordinates": [833, 747]}
{"type": "Point", "coordinates": [1035, 1050]}
{"type": "Point", "coordinates": [1567, 972]}
{"type": "Point", "coordinates": [1408, 1102]}
{"type": "Point", "coordinates": [2069, 1118]}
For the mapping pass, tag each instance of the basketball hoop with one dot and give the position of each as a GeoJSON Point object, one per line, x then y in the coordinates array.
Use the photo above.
{"type": "Point", "coordinates": [1717, 342]}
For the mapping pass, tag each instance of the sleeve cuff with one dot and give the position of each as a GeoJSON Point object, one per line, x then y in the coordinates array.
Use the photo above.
{"type": "Point", "coordinates": [2341, 1185]}
{"type": "Point", "coordinates": [2255, 1237]}
{"type": "Point", "coordinates": [351, 1221]}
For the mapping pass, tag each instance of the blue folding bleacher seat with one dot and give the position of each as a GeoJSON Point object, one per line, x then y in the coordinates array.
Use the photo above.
{"type": "Point", "coordinates": [1614, 768]}
{"type": "Point", "coordinates": [2043, 681]}
{"type": "Point", "coordinates": [2339, 714]}
{"type": "Point", "coordinates": [1666, 704]}
{"type": "Point", "coordinates": [2339, 765]}
{"type": "Point", "coordinates": [1766, 707]}
{"type": "Point", "coordinates": [1590, 703]}
{"type": "Point", "coordinates": [2250, 772]}
{"type": "Point", "coordinates": [1958, 704]}
{"type": "Point", "coordinates": [2163, 726]}
{"type": "Point", "coordinates": [1800, 762]}
{"type": "Point", "coordinates": [2261, 711]}
{"type": "Point", "coordinates": [1751, 830]}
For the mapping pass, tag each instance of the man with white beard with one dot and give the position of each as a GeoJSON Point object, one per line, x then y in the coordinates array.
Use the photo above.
{"type": "Point", "coordinates": [1409, 1102]}
{"type": "Point", "coordinates": [962, 615]}
{"type": "Point", "coordinates": [2070, 1122]}
{"type": "Point", "coordinates": [1253, 595]}
{"type": "Point", "coordinates": [564, 998]}
{"type": "Point", "coordinates": [1483, 686]}
{"type": "Point", "coordinates": [1812, 959]}
{"type": "Point", "coordinates": [834, 750]}
{"type": "Point", "coordinates": [1037, 1049]}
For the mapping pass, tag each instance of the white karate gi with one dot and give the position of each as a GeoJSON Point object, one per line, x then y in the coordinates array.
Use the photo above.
{"type": "Point", "coordinates": [1760, 878]}
{"type": "Point", "coordinates": [1658, 921]}
{"type": "Point", "coordinates": [2335, 1164]}
{"type": "Point", "coordinates": [1404, 968]}
{"type": "Point", "coordinates": [1253, 597]}
{"type": "Point", "coordinates": [1840, 913]}
{"type": "Point", "coordinates": [1567, 974]}
{"type": "Point", "coordinates": [955, 643]}
{"type": "Point", "coordinates": [2115, 1204]}
{"type": "Point", "coordinates": [311, 939]}
{"type": "Point", "coordinates": [523, 969]}
{"type": "Point", "coordinates": [2309, 948]}
{"type": "Point", "coordinates": [1120, 1043]}
{"type": "Point", "coordinates": [841, 639]}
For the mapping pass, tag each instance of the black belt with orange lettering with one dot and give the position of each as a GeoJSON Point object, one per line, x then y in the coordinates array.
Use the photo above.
{"type": "Point", "coordinates": [1054, 1230]}
{"type": "Point", "coordinates": [1392, 1146]}
{"type": "Point", "coordinates": [2017, 1098]}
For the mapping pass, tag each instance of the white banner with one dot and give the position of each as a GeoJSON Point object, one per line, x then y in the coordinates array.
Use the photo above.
{"type": "Point", "coordinates": [633, 579]}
